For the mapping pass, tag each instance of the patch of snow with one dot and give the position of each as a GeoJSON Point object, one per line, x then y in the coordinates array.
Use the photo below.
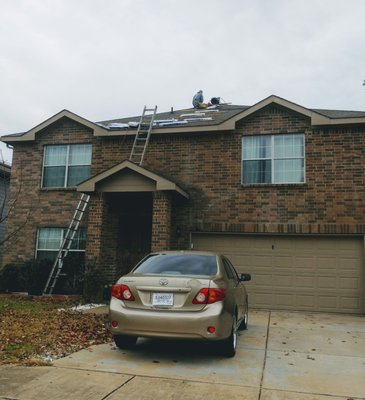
{"type": "Point", "coordinates": [82, 307]}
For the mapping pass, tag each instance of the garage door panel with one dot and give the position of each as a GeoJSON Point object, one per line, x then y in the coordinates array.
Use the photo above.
{"type": "Point", "coordinates": [304, 262]}
{"type": "Point", "coordinates": [326, 262]}
{"type": "Point", "coordinates": [282, 281]}
{"type": "Point", "coordinates": [327, 282]}
{"type": "Point", "coordinates": [350, 283]}
{"type": "Point", "coordinates": [296, 272]}
{"type": "Point", "coordinates": [328, 302]}
{"type": "Point", "coordinates": [304, 282]}
{"type": "Point", "coordinates": [261, 299]}
{"type": "Point", "coordinates": [304, 301]}
{"type": "Point", "coordinates": [282, 261]}
{"type": "Point", "coordinates": [348, 263]}
{"type": "Point", "coordinates": [262, 279]}
{"type": "Point", "coordinates": [261, 261]}
{"type": "Point", "coordinates": [350, 303]}
{"type": "Point", "coordinates": [284, 300]}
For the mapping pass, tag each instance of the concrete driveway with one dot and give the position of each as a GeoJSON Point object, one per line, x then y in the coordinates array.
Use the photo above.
{"type": "Point", "coordinates": [283, 355]}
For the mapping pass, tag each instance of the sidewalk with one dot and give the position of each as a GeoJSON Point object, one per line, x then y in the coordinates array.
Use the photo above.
{"type": "Point", "coordinates": [283, 356]}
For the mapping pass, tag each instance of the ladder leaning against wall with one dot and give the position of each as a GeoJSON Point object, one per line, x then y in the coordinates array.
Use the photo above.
{"type": "Point", "coordinates": [143, 135]}
{"type": "Point", "coordinates": [66, 244]}
{"type": "Point", "coordinates": [137, 156]}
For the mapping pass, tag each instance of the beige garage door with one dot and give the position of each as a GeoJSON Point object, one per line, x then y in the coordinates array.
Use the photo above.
{"type": "Point", "coordinates": [296, 273]}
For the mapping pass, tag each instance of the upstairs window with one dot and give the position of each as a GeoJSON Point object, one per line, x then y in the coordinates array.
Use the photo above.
{"type": "Point", "coordinates": [66, 165]}
{"type": "Point", "coordinates": [273, 159]}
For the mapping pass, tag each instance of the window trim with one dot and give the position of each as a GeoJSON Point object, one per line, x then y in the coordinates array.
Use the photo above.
{"type": "Point", "coordinates": [273, 159]}
{"type": "Point", "coordinates": [66, 166]}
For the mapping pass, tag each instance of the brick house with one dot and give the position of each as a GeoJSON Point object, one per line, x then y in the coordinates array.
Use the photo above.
{"type": "Point", "coordinates": [5, 170]}
{"type": "Point", "coordinates": [277, 187]}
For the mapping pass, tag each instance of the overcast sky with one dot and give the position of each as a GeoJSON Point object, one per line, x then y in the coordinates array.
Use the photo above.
{"type": "Point", "coordinates": [105, 59]}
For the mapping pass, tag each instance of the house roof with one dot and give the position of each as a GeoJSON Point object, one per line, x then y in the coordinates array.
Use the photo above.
{"type": "Point", "coordinates": [216, 118]}
{"type": "Point", "coordinates": [129, 177]}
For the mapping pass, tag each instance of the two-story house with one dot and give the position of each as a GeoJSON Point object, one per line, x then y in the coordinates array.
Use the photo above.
{"type": "Point", "coordinates": [277, 187]}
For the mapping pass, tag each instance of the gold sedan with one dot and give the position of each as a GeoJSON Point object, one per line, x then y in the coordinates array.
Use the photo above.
{"type": "Point", "coordinates": [180, 295]}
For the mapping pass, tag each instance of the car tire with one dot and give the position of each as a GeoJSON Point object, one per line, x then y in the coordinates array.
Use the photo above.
{"type": "Point", "coordinates": [228, 346]}
{"type": "Point", "coordinates": [244, 323]}
{"type": "Point", "coordinates": [125, 342]}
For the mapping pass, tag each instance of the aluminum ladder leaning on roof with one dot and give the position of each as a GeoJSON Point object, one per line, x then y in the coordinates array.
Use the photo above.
{"type": "Point", "coordinates": [137, 155]}
{"type": "Point", "coordinates": [143, 135]}
{"type": "Point", "coordinates": [66, 244]}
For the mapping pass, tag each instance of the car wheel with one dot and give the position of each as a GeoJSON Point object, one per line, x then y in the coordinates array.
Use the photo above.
{"type": "Point", "coordinates": [244, 323]}
{"type": "Point", "coordinates": [125, 342]}
{"type": "Point", "coordinates": [228, 346]}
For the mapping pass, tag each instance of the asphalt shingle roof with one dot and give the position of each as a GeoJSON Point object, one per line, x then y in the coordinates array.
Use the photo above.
{"type": "Point", "coordinates": [340, 113]}
{"type": "Point", "coordinates": [195, 117]}
{"type": "Point", "coordinates": [210, 117]}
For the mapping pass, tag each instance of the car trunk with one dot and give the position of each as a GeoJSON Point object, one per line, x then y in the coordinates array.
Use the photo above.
{"type": "Point", "coordinates": [173, 293]}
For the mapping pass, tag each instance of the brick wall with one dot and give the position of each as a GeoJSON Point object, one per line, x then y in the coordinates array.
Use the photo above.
{"type": "Point", "coordinates": [208, 167]}
{"type": "Point", "coordinates": [36, 207]}
{"type": "Point", "coordinates": [161, 221]}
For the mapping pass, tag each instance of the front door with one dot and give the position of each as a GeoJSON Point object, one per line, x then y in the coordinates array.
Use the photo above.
{"type": "Point", "coordinates": [134, 212]}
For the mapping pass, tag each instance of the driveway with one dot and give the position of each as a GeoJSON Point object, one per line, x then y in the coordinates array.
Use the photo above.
{"type": "Point", "coordinates": [283, 355]}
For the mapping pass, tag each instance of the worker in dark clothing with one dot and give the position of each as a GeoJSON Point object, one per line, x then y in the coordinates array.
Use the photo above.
{"type": "Point", "coordinates": [198, 100]}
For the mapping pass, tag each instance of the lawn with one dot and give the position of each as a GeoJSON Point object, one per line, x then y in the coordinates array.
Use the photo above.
{"type": "Point", "coordinates": [35, 330]}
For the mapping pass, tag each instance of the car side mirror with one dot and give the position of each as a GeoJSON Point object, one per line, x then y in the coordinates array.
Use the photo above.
{"type": "Point", "coordinates": [245, 277]}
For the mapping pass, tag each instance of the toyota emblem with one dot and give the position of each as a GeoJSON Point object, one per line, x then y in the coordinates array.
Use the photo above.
{"type": "Point", "coordinates": [163, 282]}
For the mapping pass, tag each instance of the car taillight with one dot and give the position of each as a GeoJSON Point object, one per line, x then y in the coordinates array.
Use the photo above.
{"type": "Point", "coordinates": [209, 296]}
{"type": "Point", "coordinates": [122, 292]}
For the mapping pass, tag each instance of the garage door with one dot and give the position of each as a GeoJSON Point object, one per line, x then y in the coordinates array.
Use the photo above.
{"type": "Point", "coordinates": [296, 273]}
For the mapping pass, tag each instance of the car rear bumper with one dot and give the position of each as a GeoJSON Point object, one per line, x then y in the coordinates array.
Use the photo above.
{"type": "Point", "coordinates": [170, 324]}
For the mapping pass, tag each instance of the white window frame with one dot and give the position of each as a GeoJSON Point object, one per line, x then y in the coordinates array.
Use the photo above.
{"type": "Point", "coordinates": [67, 165]}
{"type": "Point", "coordinates": [273, 159]}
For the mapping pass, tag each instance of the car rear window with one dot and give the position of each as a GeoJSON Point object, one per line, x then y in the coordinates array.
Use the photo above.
{"type": "Point", "coordinates": [178, 264]}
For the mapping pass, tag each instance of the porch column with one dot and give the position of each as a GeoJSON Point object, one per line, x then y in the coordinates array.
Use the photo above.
{"type": "Point", "coordinates": [102, 238]}
{"type": "Point", "coordinates": [96, 216]}
{"type": "Point", "coordinates": [161, 221]}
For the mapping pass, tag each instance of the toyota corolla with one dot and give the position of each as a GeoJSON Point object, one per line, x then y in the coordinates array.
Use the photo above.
{"type": "Point", "coordinates": [180, 295]}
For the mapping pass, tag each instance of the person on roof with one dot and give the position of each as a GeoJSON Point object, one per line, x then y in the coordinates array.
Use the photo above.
{"type": "Point", "coordinates": [198, 100]}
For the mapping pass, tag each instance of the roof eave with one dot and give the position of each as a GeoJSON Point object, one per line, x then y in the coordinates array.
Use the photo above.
{"type": "Point", "coordinates": [30, 135]}
{"type": "Point", "coordinates": [319, 120]}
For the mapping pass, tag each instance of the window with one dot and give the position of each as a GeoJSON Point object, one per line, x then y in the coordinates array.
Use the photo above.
{"type": "Point", "coordinates": [177, 264]}
{"type": "Point", "coordinates": [50, 240]}
{"type": "Point", "coordinates": [273, 159]}
{"type": "Point", "coordinates": [231, 272]}
{"type": "Point", "coordinates": [66, 165]}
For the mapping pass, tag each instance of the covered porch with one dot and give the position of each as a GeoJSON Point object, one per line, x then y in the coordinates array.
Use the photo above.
{"type": "Point", "coordinates": [130, 215]}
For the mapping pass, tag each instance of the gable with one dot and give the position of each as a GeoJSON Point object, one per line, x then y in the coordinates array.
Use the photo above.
{"type": "Point", "coordinates": [274, 117]}
{"type": "Point", "coordinates": [31, 134]}
{"type": "Point", "coordinates": [126, 180]}
{"type": "Point", "coordinates": [128, 177]}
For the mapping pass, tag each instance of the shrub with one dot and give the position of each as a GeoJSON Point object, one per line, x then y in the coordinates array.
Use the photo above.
{"type": "Point", "coordinates": [13, 278]}
{"type": "Point", "coordinates": [94, 284]}
{"type": "Point", "coordinates": [30, 276]}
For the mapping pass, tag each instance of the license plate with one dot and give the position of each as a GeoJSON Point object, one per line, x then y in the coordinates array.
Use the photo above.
{"type": "Point", "coordinates": [162, 299]}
